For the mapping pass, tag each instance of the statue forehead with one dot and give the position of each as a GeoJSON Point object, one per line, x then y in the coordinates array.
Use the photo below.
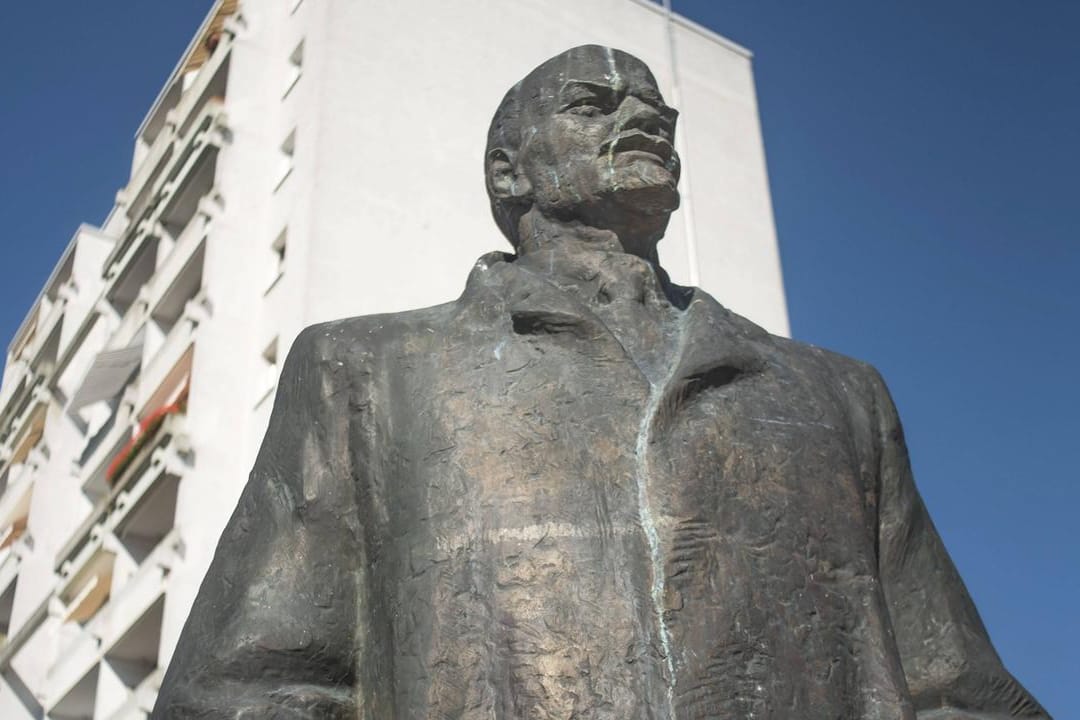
{"type": "Point", "coordinates": [587, 63]}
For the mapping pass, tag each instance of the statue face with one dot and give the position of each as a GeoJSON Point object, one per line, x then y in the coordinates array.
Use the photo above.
{"type": "Point", "coordinates": [597, 139]}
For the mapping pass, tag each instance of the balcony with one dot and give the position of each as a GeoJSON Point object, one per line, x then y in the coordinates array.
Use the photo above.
{"type": "Point", "coordinates": [210, 84]}
{"type": "Point", "coordinates": [38, 352]}
{"type": "Point", "coordinates": [200, 65]}
{"type": "Point", "coordinates": [43, 352]}
{"type": "Point", "coordinates": [135, 196]}
{"type": "Point", "coordinates": [140, 700]}
{"type": "Point", "coordinates": [113, 603]}
{"type": "Point", "coordinates": [24, 336]}
{"type": "Point", "coordinates": [169, 371]}
{"type": "Point", "coordinates": [27, 427]}
{"type": "Point", "coordinates": [181, 238]}
{"type": "Point", "coordinates": [136, 597]}
{"type": "Point", "coordinates": [18, 377]}
{"type": "Point", "coordinates": [192, 176]}
{"type": "Point", "coordinates": [186, 177]}
{"type": "Point", "coordinates": [15, 506]}
{"type": "Point", "coordinates": [31, 430]}
{"type": "Point", "coordinates": [132, 271]}
{"type": "Point", "coordinates": [78, 702]}
{"type": "Point", "coordinates": [130, 676]}
{"type": "Point", "coordinates": [126, 333]}
{"type": "Point", "coordinates": [100, 449]}
{"type": "Point", "coordinates": [16, 408]}
{"type": "Point", "coordinates": [37, 342]}
{"type": "Point", "coordinates": [115, 680]}
{"type": "Point", "coordinates": [88, 589]}
{"type": "Point", "coordinates": [10, 559]}
{"type": "Point", "coordinates": [121, 638]}
{"type": "Point", "coordinates": [9, 579]}
{"type": "Point", "coordinates": [164, 451]}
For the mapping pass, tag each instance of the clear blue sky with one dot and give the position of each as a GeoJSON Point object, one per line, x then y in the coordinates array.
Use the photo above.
{"type": "Point", "coordinates": [925, 167]}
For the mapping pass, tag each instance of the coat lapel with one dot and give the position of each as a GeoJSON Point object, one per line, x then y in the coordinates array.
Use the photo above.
{"type": "Point", "coordinates": [716, 348]}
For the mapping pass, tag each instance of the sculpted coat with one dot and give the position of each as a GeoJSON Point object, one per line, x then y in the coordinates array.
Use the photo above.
{"type": "Point", "coordinates": [580, 491]}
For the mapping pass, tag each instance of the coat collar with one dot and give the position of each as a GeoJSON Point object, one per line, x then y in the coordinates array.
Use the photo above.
{"type": "Point", "coordinates": [715, 346]}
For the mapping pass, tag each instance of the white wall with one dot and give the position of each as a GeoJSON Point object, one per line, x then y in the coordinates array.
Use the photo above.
{"type": "Point", "coordinates": [405, 95]}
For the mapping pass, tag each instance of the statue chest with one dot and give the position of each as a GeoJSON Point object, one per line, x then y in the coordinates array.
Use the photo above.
{"type": "Point", "coordinates": [522, 437]}
{"type": "Point", "coordinates": [555, 521]}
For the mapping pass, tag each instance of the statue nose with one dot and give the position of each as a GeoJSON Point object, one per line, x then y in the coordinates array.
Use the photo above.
{"type": "Point", "coordinates": [635, 114]}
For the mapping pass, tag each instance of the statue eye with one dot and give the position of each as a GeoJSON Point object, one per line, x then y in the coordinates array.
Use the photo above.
{"type": "Point", "coordinates": [587, 110]}
{"type": "Point", "coordinates": [589, 107]}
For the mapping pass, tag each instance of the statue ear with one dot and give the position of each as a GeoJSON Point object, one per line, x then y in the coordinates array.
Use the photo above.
{"type": "Point", "coordinates": [503, 180]}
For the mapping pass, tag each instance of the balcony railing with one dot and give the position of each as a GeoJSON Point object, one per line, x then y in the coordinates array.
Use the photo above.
{"type": "Point", "coordinates": [15, 505]}
{"type": "Point", "coordinates": [101, 448]}
{"type": "Point", "coordinates": [10, 559]}
{"type": "Point", "coordinates": [180, 251]}
{"type": "Point", "coordinates": [204, 135]}
{"type": "Point", "coordinates": [109, 592]}
{"type": "Point", "coordinates": [27, 427]}
{"type": "Point", "coordinates": [177, 122]}
{"type": "Point", "coordinates": [161, 372]}
{"type": "Point", "coordinates": [17, 376]}
{"type": "Point", "coordinates": [30, 356]}
{"type": "Point", "coordinates": [123, 609]}
{"type": "Point", "coordinates": [48, 324]}
{"type": "Point", "coordinates": [131, 322]}
{"type": "Point", "coordinates": [15, 411]}
{"type": "Point", "coordinates": [164, 449]}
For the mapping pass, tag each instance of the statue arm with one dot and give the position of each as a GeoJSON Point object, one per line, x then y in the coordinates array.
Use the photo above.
{"type": "Point", "coordinates": [271, 633]}
{"type": "Point", "coordinates": [952, 669]}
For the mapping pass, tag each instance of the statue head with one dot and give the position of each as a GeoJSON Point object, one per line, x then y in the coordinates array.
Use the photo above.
{"type": "Point", "coordinates": [586, 138]}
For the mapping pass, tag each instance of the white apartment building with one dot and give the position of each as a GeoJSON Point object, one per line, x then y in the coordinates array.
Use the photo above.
{"type": "Point", "coordinates": [306, 160]}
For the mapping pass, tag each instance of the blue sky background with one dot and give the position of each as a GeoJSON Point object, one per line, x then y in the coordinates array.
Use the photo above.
{"type": "Point", "coordinates": [924, 159]}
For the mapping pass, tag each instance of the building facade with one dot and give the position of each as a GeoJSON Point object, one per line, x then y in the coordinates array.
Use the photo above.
{"type": "Point", "coordinates": [307, 160]}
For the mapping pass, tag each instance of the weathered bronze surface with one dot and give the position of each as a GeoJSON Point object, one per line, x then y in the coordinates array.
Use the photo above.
{"type": "Point", "coordinates": [580, 491]}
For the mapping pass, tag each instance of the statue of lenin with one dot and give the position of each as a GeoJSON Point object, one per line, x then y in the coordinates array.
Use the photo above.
{"type": "Point", "coordinates": [579, 490]}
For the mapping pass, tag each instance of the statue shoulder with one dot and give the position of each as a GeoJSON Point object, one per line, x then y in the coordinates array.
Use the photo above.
{"type": "Point", "coordinates": [849, 376]}
{"type": "Point", "coordinates": [364, 337]}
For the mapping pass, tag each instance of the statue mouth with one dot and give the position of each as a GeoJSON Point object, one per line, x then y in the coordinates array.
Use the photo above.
{"type": "Point", "coordinates": [639, 143]}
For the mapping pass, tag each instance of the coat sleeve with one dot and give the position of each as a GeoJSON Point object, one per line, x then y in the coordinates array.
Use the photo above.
{"type": "Point", "coordinates": [952, 669]}
{"type": "Point", "coordinates": [271, 633]}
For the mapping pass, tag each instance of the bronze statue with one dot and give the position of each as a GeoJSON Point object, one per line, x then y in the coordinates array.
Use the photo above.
{"type": "Point", "coordinates": [579, 490]}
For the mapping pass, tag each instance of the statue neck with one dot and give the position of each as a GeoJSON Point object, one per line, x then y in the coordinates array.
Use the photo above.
{"type": "Point", "coordinates": [591, 261]}
{"type": "Point", "coordinates": [539, 232]}
{"type": "Point", "coordinates": [630, 295]}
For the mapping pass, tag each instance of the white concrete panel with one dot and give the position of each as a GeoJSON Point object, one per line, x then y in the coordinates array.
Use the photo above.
{"type": "Point", "coordinates": [400, 212]}
{"type": "Point", "coordinates": [730, 203]}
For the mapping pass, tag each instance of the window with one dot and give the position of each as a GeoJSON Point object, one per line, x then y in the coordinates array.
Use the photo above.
{"type": "Point", "coordinates": [277, 258]}
{"type": "Point", "coordinates": [269, 371]}
{"type": "Point", "coordinates": [288, 147]}
{"type": "Point", "coordinates": [296, 64]}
